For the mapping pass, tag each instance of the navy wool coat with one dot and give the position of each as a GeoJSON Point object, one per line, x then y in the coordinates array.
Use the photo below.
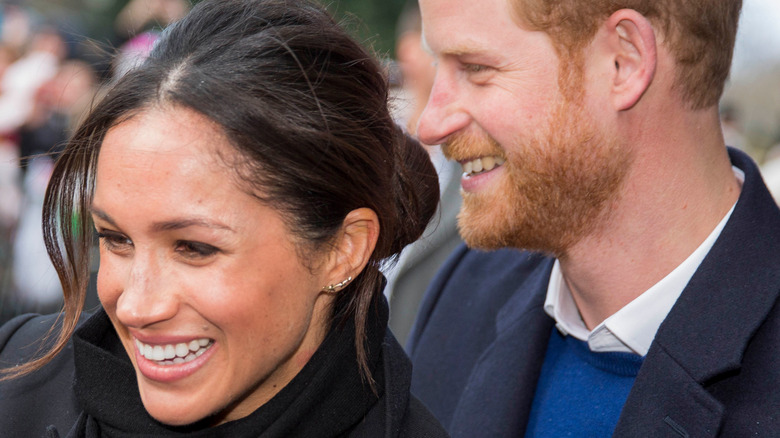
{"type": "Point", "coordinates": [712, 370]}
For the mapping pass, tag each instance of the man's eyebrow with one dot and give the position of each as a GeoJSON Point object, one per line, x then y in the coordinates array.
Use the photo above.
{"type": "Point", "coordinates": [458, 51]}
{"type": "Point", "coordinates": [465, 48]}
{"type": "Point", "coordinates": [175, 224]}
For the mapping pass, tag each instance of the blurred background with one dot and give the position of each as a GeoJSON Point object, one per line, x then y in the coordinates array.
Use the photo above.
{"type": "Point", "coordinates": [56, 55]}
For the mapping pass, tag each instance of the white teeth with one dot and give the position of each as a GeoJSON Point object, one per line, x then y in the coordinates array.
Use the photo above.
{"type": "Point", "coordinates": [182, 349]}
{"type": "Point", "coordinates": [170, 354]}
{"type": "Point", "coordinates": [482, 164]}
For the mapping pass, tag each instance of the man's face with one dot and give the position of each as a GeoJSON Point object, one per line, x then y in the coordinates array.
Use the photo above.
{"type": "Point", "coordinates": [538, 171]}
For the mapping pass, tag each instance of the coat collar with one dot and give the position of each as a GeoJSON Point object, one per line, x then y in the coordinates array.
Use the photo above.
{"type": "Point", "coordinates": [742, 264]}
{"type": "Point", "coordinates": [692, 347]}
{"type": "Point", "coordinates": [707, 331]}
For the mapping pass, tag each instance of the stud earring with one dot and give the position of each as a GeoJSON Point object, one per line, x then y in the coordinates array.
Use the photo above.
{"type": "Point", "coordinates": [337, 286]}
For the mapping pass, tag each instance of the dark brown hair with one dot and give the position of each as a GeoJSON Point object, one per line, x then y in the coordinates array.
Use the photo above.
{"type": "Point", "coordinates": [306, 108]}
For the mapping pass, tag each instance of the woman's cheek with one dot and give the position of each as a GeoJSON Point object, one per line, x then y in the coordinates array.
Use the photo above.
{"type": "Point", "coordinates": [109, 286]}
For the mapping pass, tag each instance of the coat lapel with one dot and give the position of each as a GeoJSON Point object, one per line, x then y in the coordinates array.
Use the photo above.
{"type": "Point", "coordinates": [705, 335]}
{"type": "Point", "coordinates": [497, 399]}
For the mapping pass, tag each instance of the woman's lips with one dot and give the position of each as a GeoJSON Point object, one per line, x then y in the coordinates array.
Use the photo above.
{"type": "Point", "coordinates": [170, 362]}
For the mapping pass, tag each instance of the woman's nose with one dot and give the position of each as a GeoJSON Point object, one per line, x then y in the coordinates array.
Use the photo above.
{"type": "Point", "coordinates": [148, 296]}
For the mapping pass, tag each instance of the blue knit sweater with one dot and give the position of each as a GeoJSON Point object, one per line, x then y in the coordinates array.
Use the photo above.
{"type": "Point", "coordinates": [580, 393]}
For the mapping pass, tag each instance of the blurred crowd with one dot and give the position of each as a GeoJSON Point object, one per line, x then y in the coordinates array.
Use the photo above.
{"type": "Point", "coordinates": [50, 75]}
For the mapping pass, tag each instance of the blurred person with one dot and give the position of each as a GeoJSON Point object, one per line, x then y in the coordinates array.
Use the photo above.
{"type": "Point", "coordinates": [59, 104]}
{"type": "Point", "coordinates": [8, 55]}
{"type": "Point", "coordinates": [22, 79]}
{"type": "Point", "coordinates": [621, 275]}
{"type": "Point", "coordinates": [408, 279]}
{"type": "Point", "coordinates": [10, 192]}
{"type": "Point", "coordinates": [138, 16]}
{"type": "Point", "coordinates": [139, 23]}
{"type": "Point", "coordinates": [34, 285]}
{"type": "Point", "coordinates": [15, 27]}
{"type": "Point", "coordinates": [133, 53]}
{"type": "Point", "coordinates": [416, 65]}
{"type": "Point", "coordinates": [246, 182]}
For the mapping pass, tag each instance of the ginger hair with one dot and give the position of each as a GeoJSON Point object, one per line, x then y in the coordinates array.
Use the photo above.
{"type": "Point", "coordinates": [699, 34]}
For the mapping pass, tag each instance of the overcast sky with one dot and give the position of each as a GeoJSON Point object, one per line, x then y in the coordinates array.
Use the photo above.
{"type": "Point", "coordinates": [758, 40]}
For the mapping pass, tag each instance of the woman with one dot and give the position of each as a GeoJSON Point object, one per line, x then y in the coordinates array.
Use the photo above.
{"type": "Point", "coordinates": [245, 183]}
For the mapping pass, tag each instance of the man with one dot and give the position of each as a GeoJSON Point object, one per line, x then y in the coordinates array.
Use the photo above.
{"type": "Point", "coordinates": [647, 305]}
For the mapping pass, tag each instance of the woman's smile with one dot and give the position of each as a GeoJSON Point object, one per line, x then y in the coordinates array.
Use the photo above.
{"type": "Point", "coordinates": [170, 354]}
{"type": "Point", "coordinates": [168, 363]}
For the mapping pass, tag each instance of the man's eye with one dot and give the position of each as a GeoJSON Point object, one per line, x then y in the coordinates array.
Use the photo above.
{"type": "Point", "coordinates": [475, 68]}
{"type": "Point", "coordinates": [195, 249]}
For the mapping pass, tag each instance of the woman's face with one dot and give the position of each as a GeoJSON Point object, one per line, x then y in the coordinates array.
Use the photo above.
{"type": "Point", "coordinates": [201, 281]}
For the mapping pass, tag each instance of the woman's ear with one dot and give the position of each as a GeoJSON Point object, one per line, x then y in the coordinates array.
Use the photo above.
{"type": "Point", "coordinates": [353, 247]}
{"type": "Point", "coordinates": [631, 42]}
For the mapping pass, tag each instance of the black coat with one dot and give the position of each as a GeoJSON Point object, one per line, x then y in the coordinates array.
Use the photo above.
{"type": "Point", "coordinates": [712, 370]}
{"type": "Point", "coordinates": [49, 400]}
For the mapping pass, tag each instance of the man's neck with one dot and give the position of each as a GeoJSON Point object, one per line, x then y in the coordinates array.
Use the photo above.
{"type": "Point", "coordinates": [657, 222]}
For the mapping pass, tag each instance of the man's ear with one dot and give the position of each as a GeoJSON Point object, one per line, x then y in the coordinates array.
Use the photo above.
{"type": "Point", "coordinates": [631, 42]}
{"type": "Point", "coordinates": [353, 246]}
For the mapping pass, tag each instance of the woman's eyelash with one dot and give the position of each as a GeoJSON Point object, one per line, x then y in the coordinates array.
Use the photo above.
{"type": "Point", "coordinates": [195, 249]}
{"type": "Point", "coordinates": [113, 240]}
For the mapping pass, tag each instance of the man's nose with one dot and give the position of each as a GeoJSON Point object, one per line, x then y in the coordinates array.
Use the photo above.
{"type": "Point", "coordinates": [444, 114]}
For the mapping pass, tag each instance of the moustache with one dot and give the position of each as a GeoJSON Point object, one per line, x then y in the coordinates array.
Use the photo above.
{"type": "Point", "coordinates": [470, 145]}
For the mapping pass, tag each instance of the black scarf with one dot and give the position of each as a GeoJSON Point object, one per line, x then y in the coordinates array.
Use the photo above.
{"type": "Point", "coordinates": [326, 399]}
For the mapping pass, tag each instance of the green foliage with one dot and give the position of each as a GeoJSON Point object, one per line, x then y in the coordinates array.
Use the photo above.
{"type": "Point", "coordinates": [372, 22]}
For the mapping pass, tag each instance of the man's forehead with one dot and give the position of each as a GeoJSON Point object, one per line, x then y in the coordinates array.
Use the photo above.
{"type": "Point", "coordinates": [460, 27]}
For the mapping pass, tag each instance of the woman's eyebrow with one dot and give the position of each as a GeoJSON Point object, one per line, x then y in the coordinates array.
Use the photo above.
{"type": "Point", "coordinates": [102, 215]}
{"type": "Point", "coordinates": [177, 224]}
{"type": "Point", "coordinates": [174, 224]}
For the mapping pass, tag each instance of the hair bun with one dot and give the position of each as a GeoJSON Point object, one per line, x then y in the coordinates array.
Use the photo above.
{"type": "Point", "coordinates": [415, 189]}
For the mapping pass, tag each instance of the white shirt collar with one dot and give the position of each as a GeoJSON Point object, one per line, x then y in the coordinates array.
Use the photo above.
{"type": "Point", "coordinates": [632, 328]}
